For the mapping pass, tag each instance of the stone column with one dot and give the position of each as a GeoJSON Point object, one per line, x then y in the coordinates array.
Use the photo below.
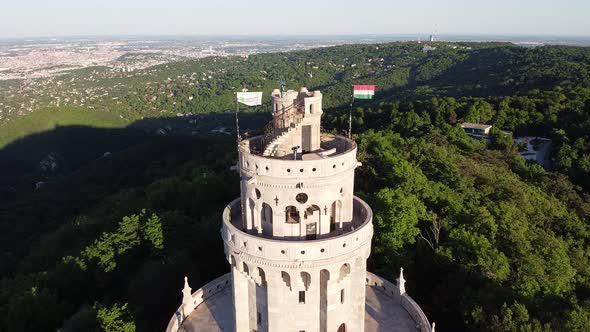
{"type": "Point", "coordinates": [357, 295]}
{"type": "Point", "coordinates": [333, 291]}
{"type": "Point", "coordinates": [240, 300]}
{"type": "Point", "coordinates": [257, 219]}
{"type": "Point", "coordinates": [248, 214]}
{"type": "Point", "coordinates": [276, 297]}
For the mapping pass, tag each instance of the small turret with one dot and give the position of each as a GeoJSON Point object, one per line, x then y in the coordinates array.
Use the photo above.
{"type": "Point", "coordinates": [187, 298]}
{"type": "Point", "coordinates": [401, 282]}
{"type": "Point", "coordinates": [296, 122]}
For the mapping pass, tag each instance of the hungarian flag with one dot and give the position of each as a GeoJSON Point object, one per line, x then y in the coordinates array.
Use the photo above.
{"type": "Point", "coordinates": [250, 98]}
{"type": "Point", "coordinates": [364, 91]}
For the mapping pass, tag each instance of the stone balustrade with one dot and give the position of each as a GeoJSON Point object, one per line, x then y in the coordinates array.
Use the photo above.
{"type": "Point", "coordinates": [406, 301]}
{"type": "Point", "coordinates": [200, 296]}
{"type": "Point", "coordinates": [284, 168]}
{"type": "Point", "coordinates": [279, 253]}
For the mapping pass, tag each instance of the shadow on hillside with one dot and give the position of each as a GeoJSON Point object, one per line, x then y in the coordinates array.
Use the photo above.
{"type": "Point", "coordinates": [63, 188]}
{"type": "Point", "coordinates": [64, 149]}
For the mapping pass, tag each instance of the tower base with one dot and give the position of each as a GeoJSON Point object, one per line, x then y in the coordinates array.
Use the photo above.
{"type": "Point", "coordinates": [385, 309]}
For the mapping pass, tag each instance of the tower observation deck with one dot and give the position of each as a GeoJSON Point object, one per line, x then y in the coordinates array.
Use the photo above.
{"type": "Point", "coordinates": [297, 240]}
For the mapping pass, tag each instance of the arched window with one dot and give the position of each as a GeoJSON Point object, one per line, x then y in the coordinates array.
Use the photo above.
{"type": "Point", "coordinates": [286, 279]}
{"type": "Point", "coordinates": [232, 260]}
{"type": "Point", "coordinates": [344, 271]}
{"type": "Point", "coordinates": [336, 215]}
{"type": "Point", "coordinates": [262, 276]}
{"type": "Point", "coordinates": [305, 279]}
{"type": "Point", "coordinates": [266, 213]}
{"type": "Point", "coordinates": [342, 328]}
{"type": "Point", "coordinates": [266, 219]}
{"type": "Point", "coordinates": [292, 215]}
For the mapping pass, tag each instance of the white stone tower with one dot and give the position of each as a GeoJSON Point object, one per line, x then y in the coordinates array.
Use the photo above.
{"type": "Point", "coordinates": [299, 243]}
{"type": "Point", "coordinates": [297, 239]}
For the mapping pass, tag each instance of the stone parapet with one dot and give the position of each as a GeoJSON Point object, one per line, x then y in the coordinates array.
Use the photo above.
{"type": "Point", "coordinates": [285, 253]}
{"type": "Point", "coordinates": [406, 301]}
{"type": "Point", "coordinates": [255, 164]}
{"type": "Point", "coordinates": [199, 296]}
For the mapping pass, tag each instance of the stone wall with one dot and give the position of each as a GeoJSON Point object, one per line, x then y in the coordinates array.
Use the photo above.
{"type": "Point", "coordinates": [318, 192]}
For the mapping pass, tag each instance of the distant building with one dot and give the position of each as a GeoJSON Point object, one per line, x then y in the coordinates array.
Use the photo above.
{"type": "Point", "coordinates": [536, 148]}
{"type": "Point", "coordinates": [477, 130]}
{"type": "Point", "coordinates": [432, 38]}
{"type": "Point", "coordinates": [428, 48]}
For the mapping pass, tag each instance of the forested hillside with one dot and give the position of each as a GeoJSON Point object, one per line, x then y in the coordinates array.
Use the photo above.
{"type": "Point", "coordinates": [488, 241]}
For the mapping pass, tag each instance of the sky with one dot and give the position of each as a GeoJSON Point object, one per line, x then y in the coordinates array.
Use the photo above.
{"type": "Point", "coordinates": [52, 18]}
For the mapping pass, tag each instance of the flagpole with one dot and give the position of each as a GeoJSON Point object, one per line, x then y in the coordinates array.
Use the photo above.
{"type": "Point", "coordinates": [237, 124]}
{"type": "Point", "coordinates": [350, 117]}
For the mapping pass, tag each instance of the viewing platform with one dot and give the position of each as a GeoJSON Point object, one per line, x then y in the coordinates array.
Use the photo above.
{"type": "Point", "coordinates": [258, 246]}
{"type": "Point", "coordinates": [386, 309]}
{"type": "Point", "coordinates": [330, 145]}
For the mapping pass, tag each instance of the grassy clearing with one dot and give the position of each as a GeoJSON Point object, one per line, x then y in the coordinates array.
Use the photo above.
{"type": "Point", "coordinates": [48, 119]}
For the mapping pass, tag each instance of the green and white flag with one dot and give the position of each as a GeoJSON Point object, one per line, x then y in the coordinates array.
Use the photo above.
{"type": "Point", "coordinates": [250, 98]}
{"type": "Point", "coordinates": [364, 91]}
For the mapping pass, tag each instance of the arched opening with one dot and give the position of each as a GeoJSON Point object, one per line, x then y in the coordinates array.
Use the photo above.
{"type": "Point", "coordinates": [324, 278]}
{"type": "Point", "coordinates": [342, 328]}
{"type": "Point", "coordinates": [262, 276]}
{"type": "Point", "coordinates": [245, 269]}
{"type": "Point", "coordinates": [266, 217]}
{"type": "Point", "coordinates": [335, 217]}
{"type": "Point", "coordinates": [312, 222]}
{"type": "Point", "coordinates": [305, 279]}
{"type": "Point", "coordinates": [292, 215]}
{"type": "Point", "coordinates": [344, 271]}
{"type": "Point", "coordinates": [286, 279]}
{"type": "Point", "coordinates": [261, 303]}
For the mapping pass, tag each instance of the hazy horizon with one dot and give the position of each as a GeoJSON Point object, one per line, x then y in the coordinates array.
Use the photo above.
{"type": "Point", "coordinates": [67, 18]}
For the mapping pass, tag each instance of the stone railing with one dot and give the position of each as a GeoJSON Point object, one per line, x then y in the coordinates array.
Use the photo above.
{"type": "Point", "coordinates": [411, 307]}
{"type": "Point", "coordinates": [416, 312]}
{"type": "Point", "coordinates": [256, 164]}
{"type": "Point", "coordinates": [199, 296]}
{"type": "Point", "coordinates": [274, 251]}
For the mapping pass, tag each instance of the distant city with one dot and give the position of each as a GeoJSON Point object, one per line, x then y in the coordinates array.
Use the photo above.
{"type": "Point", "coordinates": [22, 59]}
